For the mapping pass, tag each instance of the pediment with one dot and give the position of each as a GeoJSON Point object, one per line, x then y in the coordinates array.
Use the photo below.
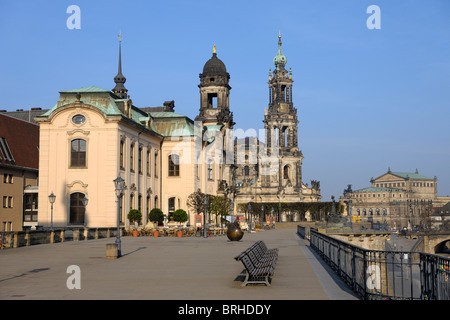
{"type": "Point", "coordinates": [389, 177]}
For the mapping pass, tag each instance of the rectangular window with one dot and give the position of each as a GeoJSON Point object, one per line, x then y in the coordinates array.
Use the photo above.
{"type": "Point", "coordinates": [140, 160]}
{"type": "Point", "coordinates": [132, 157]}
{"type": "Point", "coordinates": [156, 164]}
{"type": "Point", "coordinates": [10, 202]}
{"type": "Point", "coordinates": [149, 166]}
{"type": "Point", "coordinates": [78, 153]}
{"type": "Point", "coordinates": [30, 206]}
{"type": "Point", "coordinates": [5, 202]}
{"type": "Point", "coordinates": [174, 165]}
{"type": "Point", "coordinates": [131, 201]}
{"type": "Point", "coordinates": [122, 155]}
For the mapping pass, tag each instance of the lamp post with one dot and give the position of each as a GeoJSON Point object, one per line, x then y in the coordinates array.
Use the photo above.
{"type": "Point", "coordinates": [85, 202]}
{"type": "Point", "coordinates": [119, 184]}
{"type": "Point", "coordinates": [51, 199]}
{"type": "Point", "coordinates": [271, 217]}
{"type": "Point", "coordinates": [249, 218]}
{"type": "Point", "coordinates": [261, 219]}
{"type": "Point", "coordinates": [205, 202]}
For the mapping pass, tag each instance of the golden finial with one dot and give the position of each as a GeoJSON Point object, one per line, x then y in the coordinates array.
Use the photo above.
{"type": "Point", "coordinates": [214, 48]}
{"type": "Point", "coordinates": [120, 36]}
{"type": "Point", "coordinates": [279, 34]}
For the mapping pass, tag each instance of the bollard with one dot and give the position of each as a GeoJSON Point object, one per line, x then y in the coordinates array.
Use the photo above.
{"type": "Point", "coordinates": [111, 251]}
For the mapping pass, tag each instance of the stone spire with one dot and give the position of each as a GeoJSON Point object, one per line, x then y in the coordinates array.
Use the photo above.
{"type": "Point", "coordinates": [120, 79]}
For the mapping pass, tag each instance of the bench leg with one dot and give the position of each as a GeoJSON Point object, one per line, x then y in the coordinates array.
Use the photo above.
{"type": "Point", "coordinates": [248, 280]}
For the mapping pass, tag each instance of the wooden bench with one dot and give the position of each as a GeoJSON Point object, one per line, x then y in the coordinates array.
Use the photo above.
{"type": "Point", "coordinates": [259, 263]}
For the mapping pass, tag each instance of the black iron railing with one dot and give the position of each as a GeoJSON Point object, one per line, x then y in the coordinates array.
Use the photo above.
{"type": "Point", "coordinates": [377, 274]}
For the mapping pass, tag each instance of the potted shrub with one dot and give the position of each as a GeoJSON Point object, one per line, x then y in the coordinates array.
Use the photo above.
{"type": "Point", "coordinates": [157, 217]}
{"type": "Point", "coordinates": [135, 216]}
{"type": "Point", "coordinates": [180, 216]}
{"type": "Point", "coordinates": [257, 227]}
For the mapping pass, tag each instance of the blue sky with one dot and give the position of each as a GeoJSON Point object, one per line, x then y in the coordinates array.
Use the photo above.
{"type": "Point", "coordinates": [366, 99]}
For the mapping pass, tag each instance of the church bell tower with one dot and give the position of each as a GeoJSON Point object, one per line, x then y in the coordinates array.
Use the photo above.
{"type": "Point", "coordinates": [215, 93]}
{"type": "Point", "coordinates": [280, 120]}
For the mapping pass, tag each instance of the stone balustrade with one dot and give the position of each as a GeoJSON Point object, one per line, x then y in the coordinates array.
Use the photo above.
{"type": "Point", "coordinates": [33, 237]}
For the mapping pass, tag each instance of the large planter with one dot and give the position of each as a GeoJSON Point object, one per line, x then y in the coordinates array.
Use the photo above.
{"type": "Point", "coordinates": [135, 233]}
{"type": "Point", "coordinates": [234, 232]}
{"type": "Point", "coordinates": [179, 234]}
{"type": "Point", "coordinates": [156, 234]}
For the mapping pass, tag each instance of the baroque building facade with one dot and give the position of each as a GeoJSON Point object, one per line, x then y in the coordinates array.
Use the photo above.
{"type": "Point", "coordinates": [399, 199]}
{"type": "Point", "coordinates": [92, 135]}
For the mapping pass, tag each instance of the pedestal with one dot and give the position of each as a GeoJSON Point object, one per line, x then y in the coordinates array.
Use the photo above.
{"type": "Point", "coordinates": [111, 251]}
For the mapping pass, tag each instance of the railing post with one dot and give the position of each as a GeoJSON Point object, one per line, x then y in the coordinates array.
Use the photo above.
{"type": "Point", "coordinates": [27, 238]}
{"type": "Point", "coordinates": [364, 271]}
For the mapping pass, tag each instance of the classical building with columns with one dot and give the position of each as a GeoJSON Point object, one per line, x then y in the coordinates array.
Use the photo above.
{"type": "Point", "coordinates": [399, 199]}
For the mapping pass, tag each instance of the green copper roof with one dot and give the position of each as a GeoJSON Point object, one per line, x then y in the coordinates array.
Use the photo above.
{"type": "Point", "coordinates": [165, 114]}
{"type": "Point", "coordinates": [280, 59]}
{"type": "Point", "coordinates": [99, 98]}
{"type": "Point", "coordinates": [86, 89]}
{"type": "Point", "coordinates": [414, 176]}
{"type": "Point", "coordinates": [171, 124]}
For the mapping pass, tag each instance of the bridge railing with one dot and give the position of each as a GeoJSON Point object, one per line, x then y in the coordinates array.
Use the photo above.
{"type": "Point", "coordinates": [377, 274]}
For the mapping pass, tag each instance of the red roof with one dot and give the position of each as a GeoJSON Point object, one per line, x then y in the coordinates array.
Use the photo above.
{"type": "Point", "coordinates": [22, 138]}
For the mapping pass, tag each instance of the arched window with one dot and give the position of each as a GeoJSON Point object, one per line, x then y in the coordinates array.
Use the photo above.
{"type": "Point", "coordinates": [78, 153]}
{"type": "Point", "coordinates": [174, 165]}
{"type": "Point", "coordinates": [77, 210]}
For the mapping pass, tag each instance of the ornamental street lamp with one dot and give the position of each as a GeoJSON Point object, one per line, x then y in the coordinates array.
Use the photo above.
{"type": "Point", "coordinates": [51, 199]}
{"type": "Point", "coordinates": [85, 202]}
{"type": "Point", "coordinates": [119, 184]}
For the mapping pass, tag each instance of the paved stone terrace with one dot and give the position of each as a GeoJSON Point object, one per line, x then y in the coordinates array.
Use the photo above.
{"type": "Point", "coordinates": [166, 268]}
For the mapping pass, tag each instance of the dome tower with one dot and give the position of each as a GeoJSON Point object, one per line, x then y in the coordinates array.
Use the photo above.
{"type": "Point", "coordinates": [214, 93]}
